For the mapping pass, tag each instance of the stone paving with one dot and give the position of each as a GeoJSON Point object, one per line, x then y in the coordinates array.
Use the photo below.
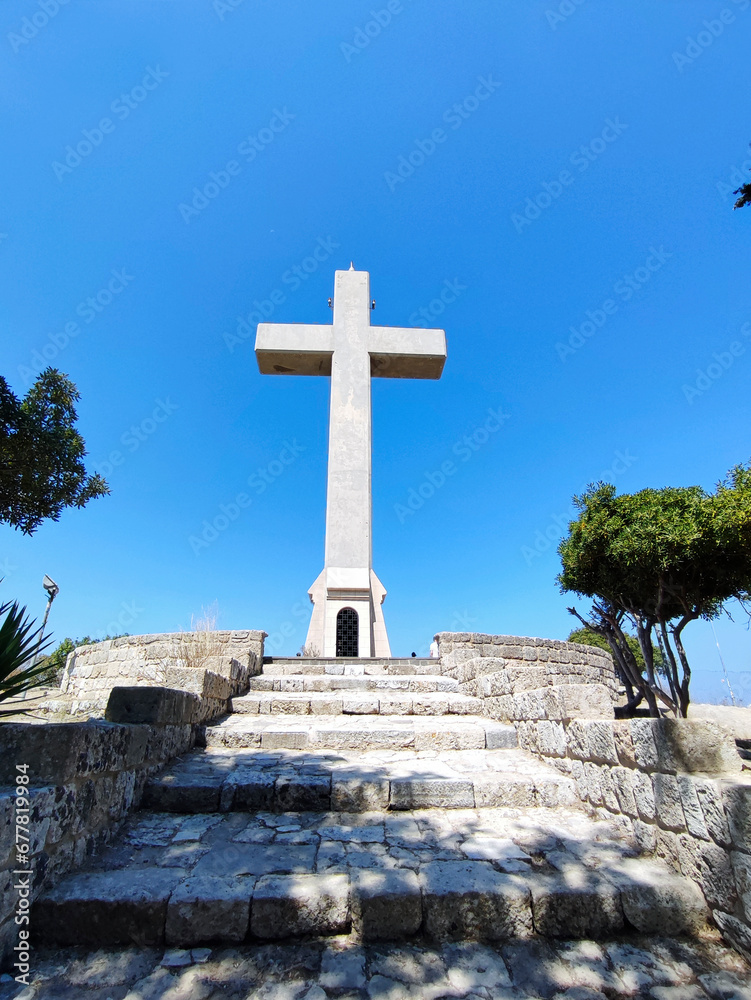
{"type": "Point", "coordinates": [221, 779]}
{"type": "Point", "coordinates": [360, 731]}
{"type": "Point", "coordinates": [338, 969]}
{"type": "Point", "coordinates": [454, 874]}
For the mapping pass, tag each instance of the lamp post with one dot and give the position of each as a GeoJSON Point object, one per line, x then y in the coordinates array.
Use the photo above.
{"type": "Point", "coordinates": [52, 591]}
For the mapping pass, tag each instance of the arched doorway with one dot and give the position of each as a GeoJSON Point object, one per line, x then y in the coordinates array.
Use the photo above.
{"type": "Point", "coordinates": [347, 632]}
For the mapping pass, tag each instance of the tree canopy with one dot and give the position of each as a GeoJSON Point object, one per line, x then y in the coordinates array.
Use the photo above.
{"type": "Point", "coordinates": [658, 559]}
{"type": "Point", "coordinates": [41, 453]}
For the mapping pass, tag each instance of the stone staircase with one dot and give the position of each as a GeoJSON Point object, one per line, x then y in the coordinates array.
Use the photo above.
{"type": "Point", "coordinates": [367, 798]}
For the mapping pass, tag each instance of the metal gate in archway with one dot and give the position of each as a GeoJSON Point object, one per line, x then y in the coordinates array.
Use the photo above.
{"type": "Point", "coordinates": [347, 628]}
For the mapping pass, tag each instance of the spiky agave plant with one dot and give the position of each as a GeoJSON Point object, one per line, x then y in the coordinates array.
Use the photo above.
{"type": "Point", "coordinates": [19, 644]}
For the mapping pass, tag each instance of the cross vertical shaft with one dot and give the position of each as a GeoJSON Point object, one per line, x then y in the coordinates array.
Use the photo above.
{"type": "Point", "coordinates": [349, 495]}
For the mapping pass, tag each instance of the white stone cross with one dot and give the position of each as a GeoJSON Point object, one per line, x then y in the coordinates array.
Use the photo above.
{"type": "Point", "coordinates": [350, 350]}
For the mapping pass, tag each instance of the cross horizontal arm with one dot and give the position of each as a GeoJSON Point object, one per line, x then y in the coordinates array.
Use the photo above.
{"type": "Point", "coordinates": [396, 352]}
{"type": "Point", "coordinates": [294, 349]}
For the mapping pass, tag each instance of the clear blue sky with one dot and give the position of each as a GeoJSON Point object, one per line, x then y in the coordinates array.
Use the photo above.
{"type": "Point", "coordinates": [557, 170]}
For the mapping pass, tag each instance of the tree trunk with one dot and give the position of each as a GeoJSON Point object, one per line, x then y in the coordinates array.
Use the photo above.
{"type": "Point", "coordinates": [684, 695]}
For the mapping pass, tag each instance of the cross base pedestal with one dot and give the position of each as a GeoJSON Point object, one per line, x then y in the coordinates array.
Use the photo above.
{"type": "Point", "coordinates": [347, 615]}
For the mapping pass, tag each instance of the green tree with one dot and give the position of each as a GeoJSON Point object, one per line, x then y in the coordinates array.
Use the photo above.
{"type": "Point", "coordinates": [658, 559]}
{"type": "Point", "coordinates": [587, 637]}
{"type": "Point", "coordinates": [54, 664]}
{"type": "Point", "coordinates": [41, 453]}
{"type": "Point", "coordinates": [20, 643]}
{"type": "Point", "coordinates": [744, 195]}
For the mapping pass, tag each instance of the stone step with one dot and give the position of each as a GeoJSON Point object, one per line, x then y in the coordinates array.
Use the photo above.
{"type": "Point", "coordinates": [221, 781]}
{"type": "Point", "coordinates": [657, 967]}
{"type": "Point", "coordinates": [278, 667]}
{"type": "Point", "coordinates": [352, 682]}
{"type": "Point", "coordinates": [356, 703]}
{"type": "Point", "coordinates": [347, 732]}
{"type": "Point", "coordinates": [489, 874]}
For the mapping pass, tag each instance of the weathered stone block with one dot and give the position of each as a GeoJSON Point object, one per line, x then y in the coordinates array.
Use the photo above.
{"type": "Point", "coordinates": [565, 907]}
{"type": "Point", "coordinates": [389, 903]}
{"type": "Point", "coordinates": [691, 807]}
{"type": "Point", "coordinates": [51, 751]}
{"type": "Point", "coordinates": [353, 792]}
{"type": "Point", "coordinates": [551, 739]}
{"type": "Point", "coordinates": [645, 836]}
{"type": "Point", "coordinates": [668, 808]}
{"type": "Point", "coordinates": [471, 900]}
{"type": "Point", "coordinates": [208, 908]}
{"type": "Point", "coordinates": [709, 867]}
{"type": "Point", "coordinates": [499, 737]}
{"type": "Point", "coordinates": [736, 797]}
{"type": "Point", "coordinates": [643, 742]}
{"type": "Point", "coordinates": [742, 870]}
{"type": "Point", "coordinates": [155, 706]}
{"type": "Point", "coordinates": [243, 791]}
{"type": "Point", "coordinates": [528, 705]}
{"type": "Point", "coordinates": [600, 742]}
{"type": "Point", "coordinates": [579, 776]}
{"type": "Point", "coordinates": [576, 739]}
{"type": "Point", "coordinates": [644, 795]}
{"type": "Point", "coordinates": [738, 934]}
{"type": "Point", "coordinates": [593, 776]}
{"type": "Point", "coordinates": [695, 747]}
{"type": "Point", "coordinates": [657, 901]}
{"type": "Point", "coordinates": [579, 701]}
{"type": "Point", "coordinates": [623, 783]}
{"type": "Point", "coordinates": [609, 795]}
{"type": "Point", "coordinates": [431, 793]}
{"type": "Point", "coordinates": [710, 799]}
{"type": "Point", "coordinates": [304, 792]}
{"type": "Point", "coordinates": [127, 906]}
{"type": "Point", "coordinates": [291, 905]}
{"type": "Point", "coordinates": [188, 793]}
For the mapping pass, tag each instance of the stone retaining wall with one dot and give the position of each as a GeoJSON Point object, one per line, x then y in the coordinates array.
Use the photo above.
{"type": "Point", "coordinates": [521, 678]}
{"type": "Point", "coordinates": [215, 665]}
{"type": "Point", "coordinates": [83, 780]}
{"type": "Point", "coordinates": [680, 791]}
